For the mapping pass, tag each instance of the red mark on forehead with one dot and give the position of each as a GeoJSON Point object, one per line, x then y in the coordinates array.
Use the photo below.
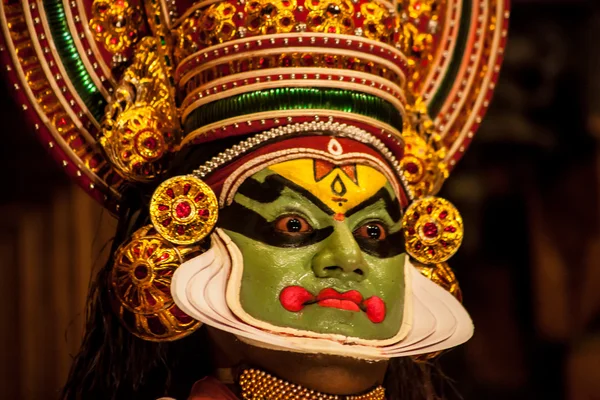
{"type": "Point", "coordinates": [339, 217]}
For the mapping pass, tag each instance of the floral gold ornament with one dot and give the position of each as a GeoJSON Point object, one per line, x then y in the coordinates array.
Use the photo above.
{"type": "Point", "coordinates": [420, 29]}
{"type": "Point", "coordinates": [259, 385]}
{"type": "Point", "coordinates": [269, 17]}
{"type": "Point", "coordinates": [184, 209]}
{"type": "Point", "coordinates": [115, 24]}
{"type": "Point", "coordinates": [207, 27]}
{"type": "Point", "coordinates": [330, 16]}
{"type": "Point", "coordinates": [141, 125]}
{"type": "Point", "coordinates": [433, 230]}
{"type": "Point", "coordinates": [228, 20]}
{"type": "Point", "coordinates": [423, 164]}
{"type": "Point", "coordinates": [379, 23]}
{"type": "Point", "coordinates": [141, 280]}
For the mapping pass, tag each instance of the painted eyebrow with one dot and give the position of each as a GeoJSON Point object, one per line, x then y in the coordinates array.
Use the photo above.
{"type": "Point", "coordinates": [271, 189]}
{"type": "Point", "coordinates": [392, 206]}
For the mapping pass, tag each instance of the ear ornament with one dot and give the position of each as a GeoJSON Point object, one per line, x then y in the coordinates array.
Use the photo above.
{"type": "Point", "coordinates": [140, 281]}
{"type": "Point", "coordinates": [184, 209]}
{"type": "Point", "coordinates": [433, 230]}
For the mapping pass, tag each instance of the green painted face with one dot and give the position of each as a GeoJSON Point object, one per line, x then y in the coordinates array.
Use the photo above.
{"type": "Point", "coordinates": [322, 249]}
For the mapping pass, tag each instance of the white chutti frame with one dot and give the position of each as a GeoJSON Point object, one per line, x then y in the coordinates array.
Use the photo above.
{"type": "Point", "coordinates": [434, 320]}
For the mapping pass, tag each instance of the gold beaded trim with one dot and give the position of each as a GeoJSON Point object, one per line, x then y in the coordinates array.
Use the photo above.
{"type": "Point", "coordinates": [259, 385]}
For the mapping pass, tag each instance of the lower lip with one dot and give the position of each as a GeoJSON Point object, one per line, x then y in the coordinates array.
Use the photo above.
{"type": "Point", "coordinates": [341, 304]}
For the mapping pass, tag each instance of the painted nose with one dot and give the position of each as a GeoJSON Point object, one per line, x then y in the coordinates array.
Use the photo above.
{"type": "Point", "coordinates": [341, 257]}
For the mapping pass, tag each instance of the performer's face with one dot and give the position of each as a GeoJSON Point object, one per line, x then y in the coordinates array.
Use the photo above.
{"type": "Point", "coordinates": [322, 248]}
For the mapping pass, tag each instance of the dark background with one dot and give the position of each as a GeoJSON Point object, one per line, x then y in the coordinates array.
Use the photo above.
{"type": "Point", "coordinates": [527, 188]}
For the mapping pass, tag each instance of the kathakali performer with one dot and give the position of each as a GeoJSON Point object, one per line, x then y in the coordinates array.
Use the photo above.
{"type": "Point", "coordinates": [273, 165]}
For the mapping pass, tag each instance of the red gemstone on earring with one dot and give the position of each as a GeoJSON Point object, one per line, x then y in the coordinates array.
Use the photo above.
{"type": "Point", "coordinates": [412, 168]}
{"type": "Point", "coordinates": [186, 188]}
{"type": "Point", "coordinates": [141, 271]}
{"type": "Point", "coordinates": [429, 209]}
{"type": "Point", "coordinates": [156, 326]}
{"type": "Point", "coordinates": [183, 209]}
{"type": "Point", "coordinates": [180, 229]}
{"type": "Point", "coordinates": [450, 229]}
{"type": "Point", "coordinates": [199, 197]}
{"type": "Point", "coordinates": [443, 214]}
{"type": "Point", "coordinates": [150, 143]}
{"type": "Point", "coordinates": [150, 299]}
{"type": "Point", "coordinates": [162, 207]}
{"type": "Point", "coordinates": [204, 213]}
{"type": "Point", "coordinates": [180, 315]}
{"type": "Point", "coordinates": [166, 222]}
{"type": "Point", "coordinates": [170, 193]}
{"type": "Point", "coordinates": [430, 230]}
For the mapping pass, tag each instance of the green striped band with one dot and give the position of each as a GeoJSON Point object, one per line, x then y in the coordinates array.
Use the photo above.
{"type": "Point", "coordinates": [294, 99]}
{"type": "Point", "coordinates": [71, 60]}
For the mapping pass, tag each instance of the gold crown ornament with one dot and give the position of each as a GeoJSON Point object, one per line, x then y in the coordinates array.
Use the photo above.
{"type": "Point", "coordinates": [116, 101]}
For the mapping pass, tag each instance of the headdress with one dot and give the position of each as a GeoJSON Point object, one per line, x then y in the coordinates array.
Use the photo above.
{"type": "Point", "coordinates": [116, 89]}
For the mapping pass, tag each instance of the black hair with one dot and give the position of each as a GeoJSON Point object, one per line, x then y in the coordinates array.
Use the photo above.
{"type": "Point", "coordinates": [113, 364]}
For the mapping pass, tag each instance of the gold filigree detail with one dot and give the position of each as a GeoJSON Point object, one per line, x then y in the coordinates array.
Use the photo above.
{"type": "Point", "coordinates": [270, 16]}
{"type": "Point", "coordinates": [141, 124]}
{"type": "Point", "coordinates": [207, 27]}
{"type": "Point", "coordinates": [433, 230]}
{"type": "Point", "coordinates": [330, 16]}
{"type": "Point", "coordinates": [379, 23]}
{"type": "Point", "coordinates": [423, 164]}
{"type": "Point", "coordinates": [184, 209]}
{"type": "Point", "coordinates": [420, 24]}
{"type": "Point", "coordinates": [228, 20]}
{"type": "Point", "coordinates": [115, 24]}
{"type": "Point", "coordinates": [141, 286]}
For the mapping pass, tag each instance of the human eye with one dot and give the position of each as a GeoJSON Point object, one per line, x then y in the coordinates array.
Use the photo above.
{"type": "Point", "coordinates": [374, 230]}
{"type": "Point", "coordinates": [292, 224]}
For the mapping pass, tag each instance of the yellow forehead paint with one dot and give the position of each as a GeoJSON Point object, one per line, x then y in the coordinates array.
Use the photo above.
{"type": "Point", "coordinates": [339, 187]}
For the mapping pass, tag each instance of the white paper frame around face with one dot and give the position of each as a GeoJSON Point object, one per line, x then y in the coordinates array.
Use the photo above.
{"type": "Point", "coordinates": [438, 320]}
